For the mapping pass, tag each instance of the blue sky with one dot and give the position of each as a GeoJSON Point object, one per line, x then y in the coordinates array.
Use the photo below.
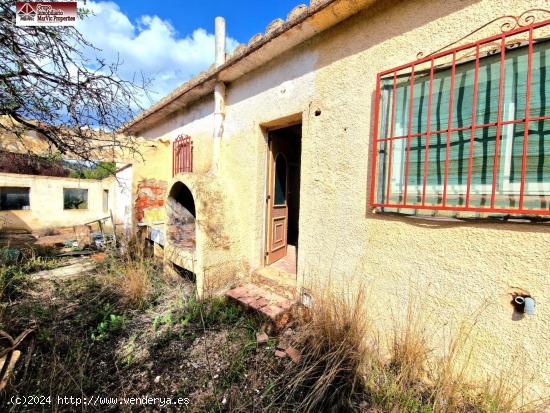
{"type": "Point", "coordinates": [244, 18]}
{"type": "Point", "coordinates": [170, 41]}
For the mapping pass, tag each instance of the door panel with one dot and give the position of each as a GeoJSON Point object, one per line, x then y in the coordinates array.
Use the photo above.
{"type": "Point", "coordinates": [277, 202]}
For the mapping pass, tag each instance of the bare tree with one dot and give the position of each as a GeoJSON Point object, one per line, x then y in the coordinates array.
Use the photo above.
{"type": "Point", "coordinates": [49, 85]}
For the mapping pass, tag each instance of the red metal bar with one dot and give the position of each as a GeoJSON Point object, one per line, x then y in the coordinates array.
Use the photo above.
{"type": "Point", "coordinates": [188, 157]}
{"type": "Point", "coordinates": [480, 126]}
{"type": "Point", "coordinates": [527, 112]}
{"type": "Point", "coordinates": [473, 131]}
{"type": "Point", "coordinates": [409, 128]}
{"type": "Point", "coordinates": [375, 143]}
{"type": "Point", "coordinates": [469, 209]}
{"type": "Point", "coordinates": [499, 120]}
{"type": "Point", "coordinates": [426, 158]}
{"type": "Point", "coordinates": [394, 93]}
{"type": "Point", "coordinates": [449, 124]}
{"type": "Point", "coordinates": [180, 156]}
{"type": "Point", "coordinates": [182, 160]}
{"type": "Point", "coordinates": [499, 39]}
{"type": "Point", "coordinates": [466, 46]}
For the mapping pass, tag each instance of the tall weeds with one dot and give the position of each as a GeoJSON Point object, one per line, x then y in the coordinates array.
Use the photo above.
{"type": "Point", "coordinates": [335, 355]}
{"type": "Point", "coordinates": [345, 367]}
{"type": "Point", "coordinates": [131, 272]}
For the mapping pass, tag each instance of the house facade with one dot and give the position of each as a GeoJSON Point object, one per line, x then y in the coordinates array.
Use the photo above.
{"type": "Point", "coordinates": [388, 146]}
{"type": "Point", "coordinates": [38, 194]}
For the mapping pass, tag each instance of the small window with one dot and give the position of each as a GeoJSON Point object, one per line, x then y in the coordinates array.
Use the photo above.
{"type": "Point", "coordinates": [74, 198]}
{"type": "Point", "coordinates": [105, 200]}
{"type": "Point", "coordinates": [280, 180]}
{"type": "Point", "coordinates": [14, 198]}
{"type": "Point", "coordinates": [182, 155]}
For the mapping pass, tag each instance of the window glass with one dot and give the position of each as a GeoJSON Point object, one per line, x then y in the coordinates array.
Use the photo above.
{"type": "Point", "coordinates": [74, 198]}
{"type": "Point", "coordinates": [280, 180]}
{"type": "Point", "coordinates": [399, 151]}
{"type": "Point", "coordinates": [14, 198]}
{"type": "Point", "coordinates": [105, 200]}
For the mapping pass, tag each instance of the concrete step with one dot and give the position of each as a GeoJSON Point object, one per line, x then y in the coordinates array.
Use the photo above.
{"type": "Point", "coordinates": [269, 304]}
{"type": "Point", "coordinates": [276, 281]}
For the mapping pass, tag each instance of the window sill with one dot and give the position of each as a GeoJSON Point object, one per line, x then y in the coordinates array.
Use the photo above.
{"type": "Point", "coordinates": [461, 216]}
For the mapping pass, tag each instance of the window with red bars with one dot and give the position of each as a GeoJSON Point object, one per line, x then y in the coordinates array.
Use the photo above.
{"type": "Point", "coordinates": [467, 129]}
{"type": "Point", "coordinates": [182, 155]}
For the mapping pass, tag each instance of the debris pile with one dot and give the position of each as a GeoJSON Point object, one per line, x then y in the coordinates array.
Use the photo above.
{"type": "Point", "coordinates": [181, 225]}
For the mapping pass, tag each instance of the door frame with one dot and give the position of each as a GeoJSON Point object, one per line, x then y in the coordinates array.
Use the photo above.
{"type": "Point", "coordinates": [268, 127]}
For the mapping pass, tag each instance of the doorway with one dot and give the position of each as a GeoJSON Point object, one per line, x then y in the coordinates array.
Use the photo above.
{"type": "Point", "coordinates": [283, 197]}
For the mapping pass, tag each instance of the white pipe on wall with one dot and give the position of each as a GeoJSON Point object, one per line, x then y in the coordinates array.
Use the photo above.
{"type": "Point", "coordinates": [220, 41]}
{"type": "Point", "coordinates": [219, 116]}
{"type": "Point", "coordinates": [219, 94]}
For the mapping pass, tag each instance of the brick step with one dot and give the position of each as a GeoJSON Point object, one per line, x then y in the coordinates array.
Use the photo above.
{"type": "Point", "coordinates": [269, 304]}
{"type": "Point", "coordinates": [288, 292]}
{"type": "Point", "coordinates": [276, 282]}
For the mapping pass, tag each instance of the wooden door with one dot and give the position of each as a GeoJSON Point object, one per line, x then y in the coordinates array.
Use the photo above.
{"type": "Point", "coordinates": [277, 202]}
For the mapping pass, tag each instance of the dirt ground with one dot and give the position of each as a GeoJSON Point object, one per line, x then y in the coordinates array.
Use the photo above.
{"type": "Point", "coordinates": [88, 345]}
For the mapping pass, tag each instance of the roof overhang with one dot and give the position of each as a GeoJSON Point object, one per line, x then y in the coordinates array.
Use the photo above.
{"type": "Point", "coordinates": [302, 24]}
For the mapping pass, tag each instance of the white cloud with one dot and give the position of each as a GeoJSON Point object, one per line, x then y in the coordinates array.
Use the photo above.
{"type": "Point", "coordinates": [150, 46]}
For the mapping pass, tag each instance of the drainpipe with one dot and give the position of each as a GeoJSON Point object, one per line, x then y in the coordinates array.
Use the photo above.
{"type": "Point", "coordinates": [219, 95]}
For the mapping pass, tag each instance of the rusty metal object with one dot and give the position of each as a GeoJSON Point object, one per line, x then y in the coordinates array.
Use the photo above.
{"type": "Point", "coordinates": [510, 23]}
{"type": "Point", "coordinates": [486, 202]}
{"type": "Point", "coordinates": [182, 157]}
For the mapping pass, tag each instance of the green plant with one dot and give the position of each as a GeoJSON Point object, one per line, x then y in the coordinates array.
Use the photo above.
{"type": "Point", "coordinates": [9, 256]}
{"type": "Point", "coordinates": [13, 282]}
{"type": "Point", "coordinates": [109, 325]}
{"type": "Point", "coordinates": [128, 351]}
{"type": "Point", "coordinates": [97, 171]}
{"type": "Point", "coordinates": [213, 312]}
{"type": "Point", "coordinates": [237, 367]}
{"type": "Point", "coordinates": [165, 319]}
{"type": "Point", "coordinates": [38, 263]}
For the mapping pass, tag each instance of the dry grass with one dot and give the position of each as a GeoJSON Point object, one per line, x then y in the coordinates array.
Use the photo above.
{"type": "Point", "coordinates": [334, 356]}
{"type": "Point", "coordinates": [345, 368]}
{"type": "Point", "coordinates": [132, 272]}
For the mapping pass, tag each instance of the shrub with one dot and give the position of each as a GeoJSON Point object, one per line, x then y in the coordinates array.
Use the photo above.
{"type": "Point", "coordinates": [9, 256]}
{"type": "Point", "coordinates": [132, 273]}
{"type": "Point", "coordinates": [110, 325]}
{"type": "Point", "coordinates": [13, 281]}
{"type": "Point", "coordinates": [15, 265]}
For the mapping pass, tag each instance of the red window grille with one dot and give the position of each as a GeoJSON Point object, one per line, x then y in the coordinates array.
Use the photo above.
{"type": "Point", "coordinates": [182, 155]}
{"type": "Point", "coordinates": [467, 129]}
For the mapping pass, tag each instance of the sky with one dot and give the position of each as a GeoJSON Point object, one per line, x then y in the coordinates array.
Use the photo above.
{"type": "Point", "coordinates": [171, 41]}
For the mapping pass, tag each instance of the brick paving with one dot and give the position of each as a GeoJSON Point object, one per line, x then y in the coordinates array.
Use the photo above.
{"type": "Point", "coordinates": [268, 303]}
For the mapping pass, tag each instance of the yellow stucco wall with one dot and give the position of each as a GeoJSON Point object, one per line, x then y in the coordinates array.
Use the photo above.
{"type": "Point", "coordinates": [459, 272]}
{"type": "Point", "coordinates": [151, 166]}
{"type": "Point", "coordinates": [46, 202]}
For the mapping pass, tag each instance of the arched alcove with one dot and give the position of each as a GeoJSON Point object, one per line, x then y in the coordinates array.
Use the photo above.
{"type": "Point", "coordinates": [181, 216]}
